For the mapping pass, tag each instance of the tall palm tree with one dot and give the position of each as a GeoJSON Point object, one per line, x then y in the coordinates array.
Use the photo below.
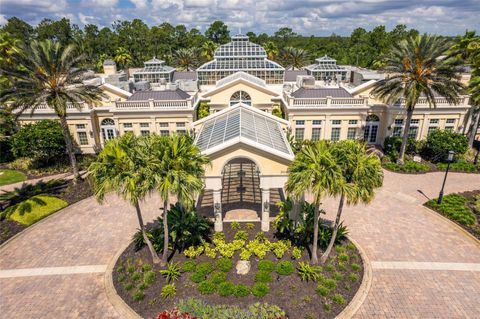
{"type": "Point", "coordinates": [186, 59]}
{"type": "Point", "coordinates": [123, 167]}
{"type": "Point", "coordinates": [49, 73]}
{"type": "Point", "coordinates": [362, 173]}
{"type": "Point", "coordinates": [314, 169]}
{"type": "Point", "coordinates": [178, 168]}
{"type": "Point", "coordinates": [271, 49]}
{"type": "Point", "coordinates": [294, 58]}
{"type": "Point", "coordinates": [208, 49]}
{"type": "Point", "coordinates": [466, 49]}
{"type": "Point", "coordinates": [417, 67]}
{"type": "Point", "coordinates": [122, 57]}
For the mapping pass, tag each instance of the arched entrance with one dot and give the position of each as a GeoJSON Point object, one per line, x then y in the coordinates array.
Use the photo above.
{"type": "Point", "coordinates": [241, 194]}
{"type": "Point", "coordinates": [108, 129]}
{"type": "Point", "coordinates": [371, 129]}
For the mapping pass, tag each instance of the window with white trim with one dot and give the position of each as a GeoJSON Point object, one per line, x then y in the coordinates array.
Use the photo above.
{"type": "Point", "coordinates": [316, 133]}
{"type": "Point", "coordinates": [335, 136]}
{"type": "Point", "coordinates": [82, 134]}
{"type": "Point", "coordinates": [336, 122]}
{"type": "Point", "coordinates": [398, 122]}
{"type": "Point", "coordinates": [163, 124]}
{"type": "Point", "coordinates": [127, 125]}
{"type": "Point", "coordinates": [316, 122]}
{"type": "Point", "coordinates": [300, 122]}
{"type": "Point", "coordinates": [299, 133]}
{"type": "Point", "coordinates": [433, 121]}
{"type": "Point", "coordinates": [450, 121]}
{"type": "Point", "coordinates": [352, 122]}
{"type": "Point", "coordinates": [180, 124]}
{"type": "Point", "coordinates": [352, 133]}
{"type": "Point", "coordinates": [144, 125]}
{"type": "Point", "coordinates": [397, 131]}
{"type": "Point", "coordinates": [164, 132]}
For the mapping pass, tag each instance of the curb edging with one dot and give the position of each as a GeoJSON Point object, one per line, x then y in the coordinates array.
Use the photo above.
{"type": "Point", "coordinates": [118, 303]}
{"type": "Point", "coordinates": [351, 309]}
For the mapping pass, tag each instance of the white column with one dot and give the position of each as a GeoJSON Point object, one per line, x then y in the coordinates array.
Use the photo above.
{"type": "Point", "coordinates": [265, 210]}
{"type": "Point", "coordinates": [217, 210]}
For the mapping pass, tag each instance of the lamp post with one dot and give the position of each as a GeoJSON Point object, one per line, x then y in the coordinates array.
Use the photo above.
{"type": "Point", "coordinates": [449, 160]}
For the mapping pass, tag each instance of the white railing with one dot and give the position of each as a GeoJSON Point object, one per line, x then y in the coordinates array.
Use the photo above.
{"type": "Point", "coordinates": [154, 105]}
{"type": "Point", "coordinates": [308, 102]}
{"type": "Point", "coordinates": [438, 100]}
{"type": "Point", "coordinates": [132, 105]}
{"type": "Point", "coordinates": [171, 104]}
{"type": "Point", "coordinates": [44, 108]}
{"type": "Point", "coordinates": [326, 102]}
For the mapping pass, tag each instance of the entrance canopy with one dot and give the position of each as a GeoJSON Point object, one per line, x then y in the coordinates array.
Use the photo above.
{"type": "Point", "coordinates": [243, 124]}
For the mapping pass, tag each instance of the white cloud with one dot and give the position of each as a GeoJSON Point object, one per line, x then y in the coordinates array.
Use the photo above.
{"type": "Point", "coordinates": [3, 19]}
{"type": "Point", "coordinates": [100, 3]}
{"type": "Point", "coordinates": [140, 4]}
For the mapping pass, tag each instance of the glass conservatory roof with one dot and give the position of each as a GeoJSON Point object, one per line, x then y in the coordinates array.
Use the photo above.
{"type": "Point", "coordinates": [240, 46]}
{"type": "Point", "coordinates": [243, 123]}
{"type": "Point", "coordinates": [326, 63]}
{"type": "Point", "coordinates": [154, 66]}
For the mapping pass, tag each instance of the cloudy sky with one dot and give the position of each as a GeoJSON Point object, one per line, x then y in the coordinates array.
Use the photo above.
{"type": "Point", "coordinates": [319, 17]}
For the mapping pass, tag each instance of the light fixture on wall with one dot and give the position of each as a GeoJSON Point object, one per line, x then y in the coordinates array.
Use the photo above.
{"type": "Point", "coordinates": [217, 210]}
{"type": "Point", "coordinates": [266, 206]}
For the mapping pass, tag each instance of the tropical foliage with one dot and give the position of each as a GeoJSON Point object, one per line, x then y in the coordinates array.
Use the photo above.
{"type": "Point", "coordinates": [418, 68]}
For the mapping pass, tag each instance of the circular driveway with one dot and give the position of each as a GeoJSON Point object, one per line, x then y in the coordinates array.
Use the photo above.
{"type": "Point", "coordinates": [423, 267]}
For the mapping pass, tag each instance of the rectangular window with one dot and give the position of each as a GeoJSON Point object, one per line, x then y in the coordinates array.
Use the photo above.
{"type": "Point", "coordinates": [316, 131]}
{"type": "Point", "coordinates": [82, 138]}
{"type": "Point", "coordinates": [164, 132]}
{"type": "Point", "coordinates": [299, 134]}
{"type": "Point", "coordinates": [450, 121]}
{"type": "Point", "coordinates": [397, 131]}
{"type": "Point", "coordinates": [416, 121]}
{"type": "Point", "coordinates": [181, 132]}
{"type": "Point", "coordinates": [352, 122]}
{"type": "Point", "coordinates": [336, 122]}
{"type": "Point", "coordinates": [145, 132]}
{"type": "Point", "coordinates": [317, 122]}
{"type": "Point", "coordinates": [81, 126]}
{"type": "Point", "coordinates": [164, 124]}
{"type": "Point", "coordinates": [399, 122]}
{"type": "Point", "coordinates": [352, 133]}
{"type": "Point", "coordinates": [431, 128]}
{"type": "Point", "coordinates": [127, 125]}
{"type": "Point", "coordinates": [180, 124]}
{"type": "Point", "coordinates": [412, 133]}
{"type": "Point", "coordinates": [433, 121]}
{"type": "Point", "coordinates": [144, 124]}
{"type": "Point", "coordinates": [299, 122]}
{"type": "Point", "coordinates": [449, 128]}
{"type": "Point", "coordinates": [335, 134]}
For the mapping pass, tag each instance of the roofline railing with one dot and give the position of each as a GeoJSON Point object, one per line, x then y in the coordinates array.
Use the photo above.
{"type": "Point", "coordinates": [325, 102]}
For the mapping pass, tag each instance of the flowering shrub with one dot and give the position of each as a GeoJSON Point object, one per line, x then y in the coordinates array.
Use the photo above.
{"type": "Point", "coordinates": [175, 314]}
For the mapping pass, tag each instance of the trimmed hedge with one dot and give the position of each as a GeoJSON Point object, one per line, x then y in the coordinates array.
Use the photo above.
{"type": "Point", "coordinates": [454, 207]}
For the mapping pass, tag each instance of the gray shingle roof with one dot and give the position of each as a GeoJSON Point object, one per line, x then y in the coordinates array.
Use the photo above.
{"type": "Point", "coordinates": [305, 93]}
{"type": "Point", "coordinates": [184, 75]}
{"type": "Point", "coordinates": [291, 75]}
{"type": "Point", "coordinates": [166, 95]}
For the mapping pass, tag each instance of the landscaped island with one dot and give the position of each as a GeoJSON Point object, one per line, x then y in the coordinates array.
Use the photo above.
{"type": "Point", "coordinates": [238, 268]}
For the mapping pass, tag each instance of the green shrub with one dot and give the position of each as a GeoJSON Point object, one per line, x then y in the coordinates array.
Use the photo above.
{"type": "Point", "coordinates": [146, 267]}
{"type": "Point", "coordinates": [356, 267]}
{"type": "Point", "coordinates": [41, 141]}
{"type": "Point", "coordinates": [460, 166]}
{"type": "Point", "coordinates": [207, 287]}
{"type": "Point", "coordinates": [235, 226]}
{"type": "Point", "coordinates": [203, 110]}
{"type": "Point", "coordinates": [33, 209]}
{"type": "Point", "coordinates": [172, 273]}
{"type": "Point", "coordinates": [343, 257]}
{"type": "Point", "coordinates": [330, 283]}
{"type": "Point", "coordinates": [138, 295]}
{"type": "Point", "coordinates": [285, 268]}
{"type": "Point", "coordinates": [245, 254]}
{"type": "Point", "coordinates": [226, 289]}
{"type": "Point", "coordinates": [250, 226]}
{"type": "Point", "coordinates": [204, 268]}
{"type": "Point", "coordinates": [308, 272]}
{"type": "Point", "coordinates": [241, 235]}
{"type": "Point", "coordinates": [454, 207]}
{"type": "Point", "coordinates": [266, 265]}
{"type": "Point", "coordinates": [342, 267]}
{"type": "Point", "coordinates": [353, 277]}
{"type": "Point", "coordinates": [136, 276]}
{"type": "Point", "coordinates": [189, 266]}
{"type": "Point", "coordinates": [327, 307]}
{"type": "Point", "coordinates": [168, 291]}
{"type": "Point", "coordinates": [440, 142]}
{"type": "Point", "coordinates": [149, 277]}
{"type": "Point", "coordinates": [224, 264]}
{"type": "Point", "coordinates": [263, 276]}
{"type": "Point", "coordinates": [280, 248]}
{"type": "Point", "coordinates": [395, 142]}
{"type": "Point", "coordinates": [337, 276]}
{"type": "Point", "coordinates": [297, 252]}
{"type": "Point", "coordinates": [197, 277]}
{"type": "Point", "coordinates": [241, 291]}
{"type": "Point", "coordinates": [260, 289]}
{"type": "Point", "coordinates": [322, 290]}
{"type": "Point", "coordinates": [408, 167]}
{"type": "Point", "coordinates": [218, 277]}
{"type": "Point", "coordinates": [338, 299]}
{"type": "Point", "coordinates": [128, 286]}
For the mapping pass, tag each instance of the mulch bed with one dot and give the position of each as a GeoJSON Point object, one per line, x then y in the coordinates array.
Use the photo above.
{"type": "Point", "coordinates": [69, 193]}
{"type": "Point", "coordinates": [472, 229]}
{"type": "Point", "coordinates": [297, 298]}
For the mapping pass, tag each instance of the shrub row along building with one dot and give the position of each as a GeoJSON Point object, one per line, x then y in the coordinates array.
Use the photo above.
{"type": "Point", "coordinates": [248, 145]}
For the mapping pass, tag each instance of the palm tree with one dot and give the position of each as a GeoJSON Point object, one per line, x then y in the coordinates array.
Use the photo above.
{"type": "Point", "coordinates": [271, 49]}
{"type": "Point", "coordinates": [362, 173]}
{"type": "Point", "coordinates": [314, 169]}
{"type": "Point", "coordinates": [122, 167]}
{"type": "Point", "coordinates": [294, 58]}
{"type": "Point", "coordinates": [49, 73]}
{"type": "Point", "coordinates": [208, 49]}
{"type": "Point", "coordinates": [417, 67]}
{"type": "Point", "coordinates": [178, 167]}
{"type": "Point", "coordinates": [186, 59]}
{"type": "Point", "coordinates": [122, 57]}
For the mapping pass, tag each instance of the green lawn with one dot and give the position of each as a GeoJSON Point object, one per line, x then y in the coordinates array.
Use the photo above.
{"type": "Point", "coordinates": [32, 210]}
{"type": "Point", "coordinates": [9, 177]}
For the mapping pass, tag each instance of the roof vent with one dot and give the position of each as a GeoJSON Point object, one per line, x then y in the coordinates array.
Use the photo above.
{"type": "Point", "coordinates": [305, 81]}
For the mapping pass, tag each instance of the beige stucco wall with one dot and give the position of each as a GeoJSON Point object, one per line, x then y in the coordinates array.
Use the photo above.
{"type": "Point", "coordinates": [267, 163]}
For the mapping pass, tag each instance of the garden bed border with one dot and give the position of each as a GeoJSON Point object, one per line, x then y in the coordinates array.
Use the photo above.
{"type": "Point", "coordinates": [348, 312]}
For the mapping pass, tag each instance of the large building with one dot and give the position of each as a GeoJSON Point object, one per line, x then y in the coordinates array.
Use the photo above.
{"type": "Point", "coordinates": [247, 145]}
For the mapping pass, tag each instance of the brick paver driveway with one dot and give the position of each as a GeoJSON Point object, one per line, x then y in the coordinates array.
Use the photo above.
{"type": "Point", "coordinates": [422, 267]}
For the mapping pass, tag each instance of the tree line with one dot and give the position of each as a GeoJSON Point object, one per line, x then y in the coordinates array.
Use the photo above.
{"type": "Point", "coordinates": [130, 43]}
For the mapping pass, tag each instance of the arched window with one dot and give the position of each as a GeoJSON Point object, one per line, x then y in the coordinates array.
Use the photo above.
{"type": "Point", "coordinates": [373, 118]}
{"type": "Point", "coordinates": [240, 97]}
{"type": "Point", "coordinates": [108, 122]}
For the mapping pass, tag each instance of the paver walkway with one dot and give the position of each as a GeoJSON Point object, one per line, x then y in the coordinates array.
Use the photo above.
{"type": "Point", "coordinates": [423, 267]}
{"type": "Point", "coordinates": [11, 187]}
